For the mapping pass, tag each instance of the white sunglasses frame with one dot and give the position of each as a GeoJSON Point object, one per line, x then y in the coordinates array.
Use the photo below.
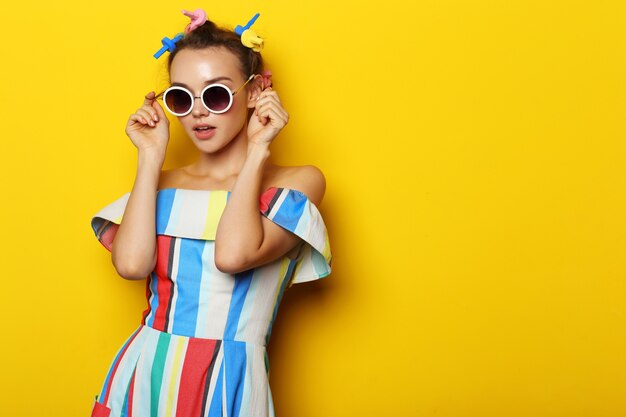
{"type": "Point", "coordinates": [193, 98]}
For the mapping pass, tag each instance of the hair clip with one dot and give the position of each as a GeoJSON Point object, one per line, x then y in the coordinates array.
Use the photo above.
{"type": "Point", "coordinates": [168, 45]}
{"type": "Point", "coordinates": [248, 37]}
{"type": "Point", "coordinates": [198, 17]}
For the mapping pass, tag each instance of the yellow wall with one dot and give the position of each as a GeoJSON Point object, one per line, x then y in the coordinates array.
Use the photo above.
{"type": "Point", "coordinates": [475, 160]}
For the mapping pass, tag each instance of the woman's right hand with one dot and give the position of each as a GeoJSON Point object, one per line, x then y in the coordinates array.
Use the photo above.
{"type": "Point", "coordinates": [148, 128]}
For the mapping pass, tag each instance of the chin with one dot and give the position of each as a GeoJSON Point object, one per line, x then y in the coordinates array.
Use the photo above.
{"type": "Point", "coordinates": [213, 145]}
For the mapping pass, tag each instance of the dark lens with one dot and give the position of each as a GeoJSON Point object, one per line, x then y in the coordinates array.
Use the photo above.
{"type": "Point", "coordinates": [216, 98]}
{"type": "Point", "coordinates": [178, 101]}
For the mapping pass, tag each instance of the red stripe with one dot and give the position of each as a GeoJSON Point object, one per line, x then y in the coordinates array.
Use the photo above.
{"type": "Point", "coordinates": [193, 377]}
{"type": "Point", "coordinates": [147, 310]}
{"type": "Point", "coordinates": [108, 236]}
{"type": "Point", "coordinates": [100, 410]}
{"type": "Point", "coordinates": [266, 198]}
{"type": "Point", "coordinates": [130, 394]}
{"type": "Point", "coordinates": [164, 284]}
{"type": "Point", "coordinates": [119, 359]}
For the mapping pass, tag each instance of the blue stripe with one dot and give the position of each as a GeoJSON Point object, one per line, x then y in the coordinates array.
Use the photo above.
{"type": "Point", "coordinates": [235, 358]}
{"type": "Point", "coordinates": [290, 210]}
{"type": "Point", "coordinates": [188, 279]}
{"type": "Point", "coordinates": [155, 300]}
{"type": "Point", "coordinates": [238, 298]}
{"type": "Point", "coordinates": [164, 203]}
{"type": "Point", "coordinates": [215, 409]}
{"type": "Point", "coordinates": [117, 358]}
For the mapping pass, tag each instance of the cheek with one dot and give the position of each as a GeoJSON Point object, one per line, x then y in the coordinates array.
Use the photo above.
{"type": "Point", "coordinates": [239, 116]}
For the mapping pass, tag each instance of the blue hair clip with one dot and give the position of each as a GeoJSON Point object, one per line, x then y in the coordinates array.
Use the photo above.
{"type": "Point", "coordinates": [248, 37]}
{"type": "Point", "coordinates": [168, 45]}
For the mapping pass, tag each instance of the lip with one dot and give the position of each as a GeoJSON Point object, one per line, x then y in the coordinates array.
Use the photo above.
{"type": "Point", "coordinates": [204, 134]}
{"type": "Point", "coordinates": [197, 125]}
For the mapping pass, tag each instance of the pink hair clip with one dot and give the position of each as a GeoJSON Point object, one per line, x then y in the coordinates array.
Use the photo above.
{"type": "Point", "coordinates": [198, 17]}
{"type": "Point", "coordinates": [267, 79]}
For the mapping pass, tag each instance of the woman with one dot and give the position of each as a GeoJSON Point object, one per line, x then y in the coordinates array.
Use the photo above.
{"type": "Point", "coordinates": [218, 240]}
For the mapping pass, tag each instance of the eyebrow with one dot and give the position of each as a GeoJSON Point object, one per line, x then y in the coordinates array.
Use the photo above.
{"type": "Point", "coordinates": [207, 82]}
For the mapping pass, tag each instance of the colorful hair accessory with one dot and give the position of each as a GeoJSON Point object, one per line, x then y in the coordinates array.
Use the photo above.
{"type": "Point", "coordinates": [267, 79]}
{"type": "Point", "coordinates": [198, 17]}
{"type": "Point", "coordinates": [248, 37]}
{"type": "Point", "coordinates": [168, 45]}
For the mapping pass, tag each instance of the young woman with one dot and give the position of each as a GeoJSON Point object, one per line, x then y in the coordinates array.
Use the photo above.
{"type": "Point", "coordinates": [218, 240]}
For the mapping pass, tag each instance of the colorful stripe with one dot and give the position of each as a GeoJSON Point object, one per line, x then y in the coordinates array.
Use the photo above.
{"type": "Point", "coordinates": [185, 316]}
{"type": "Point", "coordinates": [193, 377]}
{"type": "Point", "coordinates": [104, 395]}
{"type": "Point", "coordinates": [242, 284]}
{"type": "Point", "coordinates": [164, 290]}
{"type": "Point", "coordinates": [158, 367]}
{"type": "Point", "coordinates": [217, 204]}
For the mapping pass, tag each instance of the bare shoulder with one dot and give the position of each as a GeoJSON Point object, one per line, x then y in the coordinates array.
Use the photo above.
{"type": "Point", "coordinates": [307, 179]}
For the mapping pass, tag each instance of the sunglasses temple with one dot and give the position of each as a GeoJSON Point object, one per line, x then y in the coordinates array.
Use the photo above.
{"type": "Point", "coordinates": [249, 78]}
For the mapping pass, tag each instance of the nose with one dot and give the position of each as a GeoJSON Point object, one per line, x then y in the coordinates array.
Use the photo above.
{"type": "Point", "coordinates": [198, 107]}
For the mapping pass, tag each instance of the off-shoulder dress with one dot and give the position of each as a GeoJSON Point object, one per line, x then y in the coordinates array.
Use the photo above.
{"type": "Point", "coordinates": [200, 349]}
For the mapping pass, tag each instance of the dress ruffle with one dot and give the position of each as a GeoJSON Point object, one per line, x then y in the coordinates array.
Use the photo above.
{"type": "Point", "coordinates": [195, 214]}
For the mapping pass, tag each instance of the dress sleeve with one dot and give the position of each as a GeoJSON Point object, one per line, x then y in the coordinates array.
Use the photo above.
{"type": "Point", "coordinates": [106, 221]}
{"type": "Point", "coordinates": [292, 210]}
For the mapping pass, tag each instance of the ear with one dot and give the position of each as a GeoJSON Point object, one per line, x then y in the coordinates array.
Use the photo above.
{"type": "Point", "coordinates": [256, 87]}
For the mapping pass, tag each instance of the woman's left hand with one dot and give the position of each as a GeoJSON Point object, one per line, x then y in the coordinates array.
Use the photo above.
{"type": "Point", "coordinates": [268, 119]}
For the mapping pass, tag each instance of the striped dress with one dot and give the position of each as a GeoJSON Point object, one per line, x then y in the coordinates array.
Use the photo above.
{"type": "Point", "coordinates": [200, 349]}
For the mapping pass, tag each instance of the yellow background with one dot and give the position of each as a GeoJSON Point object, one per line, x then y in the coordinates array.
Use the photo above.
{"type": "Point", "coordinates": [474, 153]}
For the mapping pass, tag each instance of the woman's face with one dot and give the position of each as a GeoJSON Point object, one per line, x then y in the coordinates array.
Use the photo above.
{"type": "Point", "coordinates": [195, 69]}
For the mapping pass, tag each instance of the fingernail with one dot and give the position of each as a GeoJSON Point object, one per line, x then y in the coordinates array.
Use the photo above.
{"type": "Point", "coordinates": [156, 119]}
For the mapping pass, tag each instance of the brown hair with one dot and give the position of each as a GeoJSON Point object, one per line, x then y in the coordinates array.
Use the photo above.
{"type": "Point", "coordinates": [209, 35]}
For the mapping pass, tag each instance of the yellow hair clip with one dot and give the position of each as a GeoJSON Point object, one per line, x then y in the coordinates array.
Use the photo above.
{"type": "Point", "coordinates": [248, 37]}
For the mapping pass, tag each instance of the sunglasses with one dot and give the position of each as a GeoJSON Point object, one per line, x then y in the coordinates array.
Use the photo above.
{"type": "Point", "coordinates": [216, 98]}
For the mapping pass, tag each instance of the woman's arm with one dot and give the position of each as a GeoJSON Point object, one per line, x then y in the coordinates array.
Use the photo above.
{"type": "Point", "coordinates": [134, 247]}
{"type": "Point", "coordinates": [246, 239]}
{"type": "Point", "coordinates": [133, 250]}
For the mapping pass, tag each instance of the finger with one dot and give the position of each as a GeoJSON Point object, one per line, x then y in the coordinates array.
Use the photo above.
{"type": "Point", "coordinates": [140, 118]}
{"type": "Point", "coordinates": [136, 119]}
{"type": "Point", "coordinates": [149, 98]}
{"type": "Point", "coordinates": [151, 112]}
{"type": "Point", "coordinates": [276, 107]}
{"type": "Point", "coordinates": [271, 115]}
{"type": "Point", "coordinates": [146, 115]}
{"type": "Point", "coordinates": [159, 111]}
{"type": "Point", "coordinates": [268, 94]}
{"type": "Point", "coordinates": [267, 101]}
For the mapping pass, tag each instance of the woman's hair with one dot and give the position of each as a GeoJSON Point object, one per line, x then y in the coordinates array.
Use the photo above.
{"type": "Point", "coordinates": [209, 35]}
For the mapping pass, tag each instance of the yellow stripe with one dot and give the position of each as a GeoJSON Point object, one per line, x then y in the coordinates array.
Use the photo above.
{"type": "Point", "coordinates": [217, 204]}
{"type": "Point", "coordinates": [326, 252]}
{"type": "Point", "coordinates": [174, 376]}
{"type": "Point", "coordinates": [284, 265]}
{"type": "Point", "coordinates": [118, 220]}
